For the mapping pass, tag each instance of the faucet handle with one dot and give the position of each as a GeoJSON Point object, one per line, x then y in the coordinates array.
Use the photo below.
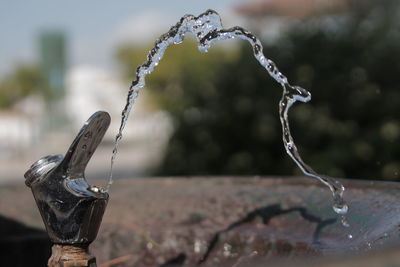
{"type": "Point", "coordinates": [85, 144]}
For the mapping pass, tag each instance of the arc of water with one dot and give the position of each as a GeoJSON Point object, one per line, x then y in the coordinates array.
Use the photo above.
{"type": "Point", "coordinates": [207, 29]}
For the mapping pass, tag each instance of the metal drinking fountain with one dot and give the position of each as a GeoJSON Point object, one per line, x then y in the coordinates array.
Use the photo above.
{"type": "Point", "coordinates": [71, 208]}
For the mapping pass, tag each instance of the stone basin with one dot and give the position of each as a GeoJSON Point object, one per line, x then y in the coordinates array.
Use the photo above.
{"type": "Point", "coordinates": [234, 221]}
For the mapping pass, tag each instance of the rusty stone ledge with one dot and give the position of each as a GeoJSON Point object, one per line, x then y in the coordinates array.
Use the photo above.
{"type": "Point", "coordinates": [232, 221]}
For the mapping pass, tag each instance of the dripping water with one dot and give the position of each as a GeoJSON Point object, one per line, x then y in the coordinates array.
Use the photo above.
{"type": "Point", "coordinates": [207, 29]}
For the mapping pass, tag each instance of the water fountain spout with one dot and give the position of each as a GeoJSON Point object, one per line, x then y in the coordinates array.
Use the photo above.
{"type": "Point", "coordinates": [71, 208]}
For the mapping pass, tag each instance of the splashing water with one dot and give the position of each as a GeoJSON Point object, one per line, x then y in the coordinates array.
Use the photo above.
{"type": "Point", "coordinates": [207, 29]}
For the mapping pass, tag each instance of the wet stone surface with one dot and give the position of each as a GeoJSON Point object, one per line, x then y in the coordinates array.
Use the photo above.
{"type": "Point", "coordinates": [230, 221]}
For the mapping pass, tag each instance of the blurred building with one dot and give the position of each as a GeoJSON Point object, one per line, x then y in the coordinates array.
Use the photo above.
{"type": "Point", "coordinates": [18, 131]}
{"type": "Point", "coordinates": [299, 9]}
{"type": "Point", "coordinates": [90, 89]}
{"type": "Point", "coordinates": [52, 60]}
{"type": "Point", "coordinates": [30, 118]}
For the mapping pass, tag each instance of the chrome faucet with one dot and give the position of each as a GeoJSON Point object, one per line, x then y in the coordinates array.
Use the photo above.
{"type": "Point", "coordinates": [71, 208]}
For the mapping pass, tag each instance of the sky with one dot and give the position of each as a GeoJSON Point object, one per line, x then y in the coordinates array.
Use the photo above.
{"type": "Point", "coordinates": [94, 28]}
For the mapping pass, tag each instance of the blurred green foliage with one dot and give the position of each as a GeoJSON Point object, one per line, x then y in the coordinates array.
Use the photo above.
{"type": "Point", "coordinates": [24, 80]}
{"type": "Point", "coordinates": [225, 106]}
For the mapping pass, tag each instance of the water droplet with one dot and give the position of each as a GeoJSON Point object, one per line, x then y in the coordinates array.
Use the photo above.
{"type": "Point", "coordinates": [197, 246]}
{"type": "Point", "coordinates": [340, 208]}
{"type": "Point", "coordinates": [345, 222]}
{"type": "Point", "coordinates": [350, 236]}
{"type": "Point", "coordinates": [227, 249]}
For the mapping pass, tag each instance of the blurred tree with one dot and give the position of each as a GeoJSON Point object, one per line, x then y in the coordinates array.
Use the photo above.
{"type": "Point", "coordinates": [225, 107]}
{"type": "Point", "coordinates": [168, 78]}
{"type": "Point", "coordinates": [23, 81]}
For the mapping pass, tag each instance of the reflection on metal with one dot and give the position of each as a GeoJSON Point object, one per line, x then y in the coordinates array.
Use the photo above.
{"type": "Point", "coordinates": [71, 209]}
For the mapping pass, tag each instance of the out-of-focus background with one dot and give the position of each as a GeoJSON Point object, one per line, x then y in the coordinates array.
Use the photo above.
{"type": "Point", "coordinates": [213, 113]}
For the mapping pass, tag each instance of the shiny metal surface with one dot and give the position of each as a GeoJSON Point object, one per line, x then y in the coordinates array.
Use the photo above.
{"type": "Point", "coordinates": [71, 208]}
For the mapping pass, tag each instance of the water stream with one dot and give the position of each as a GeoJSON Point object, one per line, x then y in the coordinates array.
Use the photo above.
{"type": "Point", "coordinates": [207, 29]}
